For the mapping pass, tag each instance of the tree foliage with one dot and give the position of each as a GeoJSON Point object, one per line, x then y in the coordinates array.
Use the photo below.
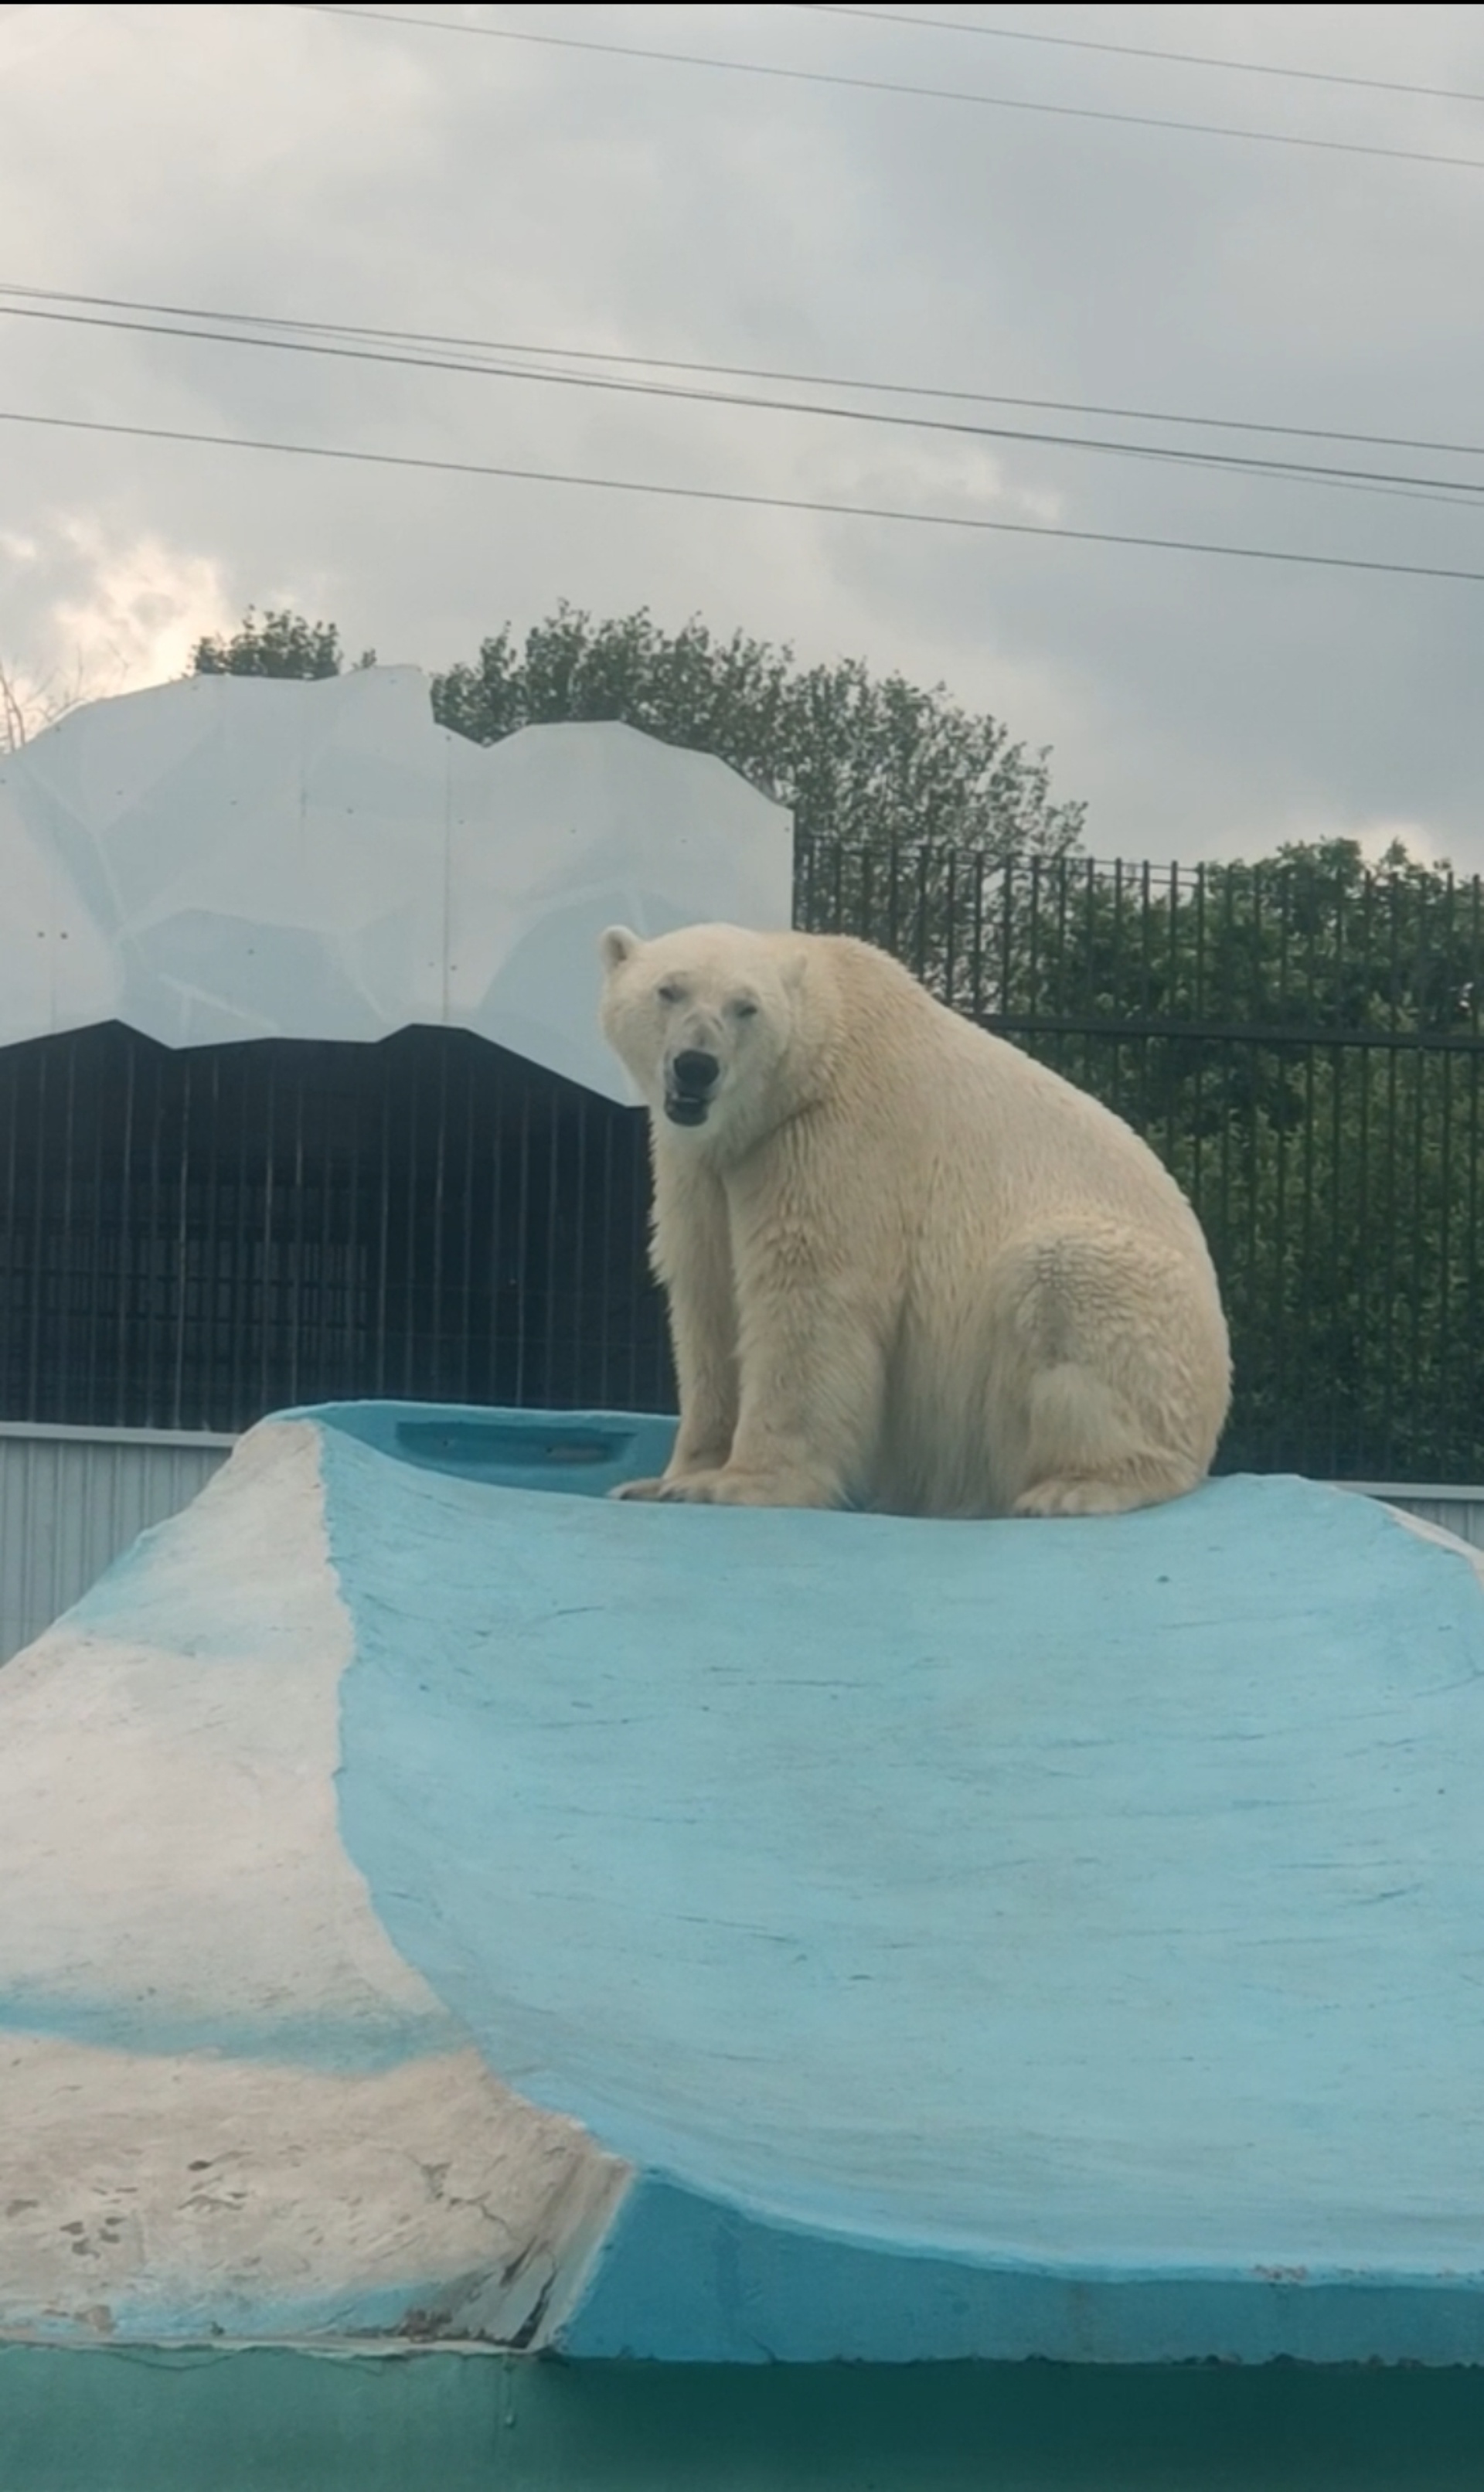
{"type": "Point", "coordinates": [277, 642]}
{"type": "Point", "coordinates": [857, 756]}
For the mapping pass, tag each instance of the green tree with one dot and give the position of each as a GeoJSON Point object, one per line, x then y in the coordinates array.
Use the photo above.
{"type": "Point", "coordinates": [277, 642]}
{"type": "Point", "coordinates": [859, 758]}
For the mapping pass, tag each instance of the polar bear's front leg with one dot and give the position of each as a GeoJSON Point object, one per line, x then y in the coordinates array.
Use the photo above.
{"type": "Point", "coordinates": [812, 1321]}
{"type": "Point", "coordinates": [812, 1376]}
{"type": "Point", "coordinates": [693, 1259]}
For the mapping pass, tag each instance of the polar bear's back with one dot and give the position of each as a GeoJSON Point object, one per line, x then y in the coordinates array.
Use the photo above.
{"type": "Point", "coordinates": [1052, 1287]}
{"type": "Point", "coordinates": [987, 1135]}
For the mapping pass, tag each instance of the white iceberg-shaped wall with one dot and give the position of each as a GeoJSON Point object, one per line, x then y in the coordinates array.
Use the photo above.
{"type": "Point", "coordinates": [231, 857]}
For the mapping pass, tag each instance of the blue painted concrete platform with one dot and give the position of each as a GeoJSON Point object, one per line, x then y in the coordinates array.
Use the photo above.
{"type": "Point", "coordinates": [766, 1936]}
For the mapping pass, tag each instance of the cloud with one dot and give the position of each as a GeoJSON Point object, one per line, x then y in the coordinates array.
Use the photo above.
{"type": "Point", "coordinates": [291, 163]}
{"type": "Point", "coordinates": [107, 613]}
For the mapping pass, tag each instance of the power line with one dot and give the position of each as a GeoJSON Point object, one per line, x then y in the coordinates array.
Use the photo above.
{"type": "Point", "coordinates": [762, 373]}
{"type": "Point", "coordinates": [892, 86]}
{"type": "Point", "coordinates": [1455, 492]}
{"type": "Point", "coordinates": [734, 499]}
{"type": "Point", "coordinates": [1143, 53]}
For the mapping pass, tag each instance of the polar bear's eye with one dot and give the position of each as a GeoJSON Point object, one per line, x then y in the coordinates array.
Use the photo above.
{"type": "Point", "coordinates": [668, 994]}
{"type": "Point", "coordinates": [745, 1009]}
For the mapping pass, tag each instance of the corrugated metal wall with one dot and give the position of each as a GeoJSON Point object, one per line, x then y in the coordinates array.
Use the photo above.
{"type": "Point", "coordinates": [73, 1498]}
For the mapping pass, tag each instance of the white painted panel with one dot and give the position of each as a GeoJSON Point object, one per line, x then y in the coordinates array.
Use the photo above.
{"type": "Point", "coordinates": [231, 858]}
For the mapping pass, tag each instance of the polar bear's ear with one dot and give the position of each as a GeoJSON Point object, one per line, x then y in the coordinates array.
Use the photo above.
{"type": "Point", "coordinates": [615, 946]}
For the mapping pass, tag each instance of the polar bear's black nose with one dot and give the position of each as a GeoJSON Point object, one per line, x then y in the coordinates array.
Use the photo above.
{"type": "Point", "coordinates": [694, 1072]}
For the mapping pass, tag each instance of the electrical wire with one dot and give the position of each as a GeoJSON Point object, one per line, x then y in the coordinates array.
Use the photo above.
{"type": "Point", "coordinates": [1141, 52]}
{"type": "Point", "coordinates": [736, 500]}
{"type": "Point", "coordinates": [892, 86]}
{"type": "Point", "coordinates": [1454, 492]}
{"type": "Point", "coordinates": [757, 373]}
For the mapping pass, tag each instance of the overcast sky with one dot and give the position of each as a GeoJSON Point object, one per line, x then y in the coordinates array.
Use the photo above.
{"type": "Point", "coordinates": [309, 165]}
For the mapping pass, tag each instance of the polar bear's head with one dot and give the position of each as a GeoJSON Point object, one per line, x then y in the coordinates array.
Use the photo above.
{"type": "Point", "coordinates": [704, 1019]}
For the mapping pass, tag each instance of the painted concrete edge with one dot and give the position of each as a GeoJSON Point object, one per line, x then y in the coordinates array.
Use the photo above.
{"type": "Point", "coordinates": [316, 2149]}
{"type": "Point", "coordinates": [1438, 1533]}
{"type": "Point", "coordinates": [682, 2278]}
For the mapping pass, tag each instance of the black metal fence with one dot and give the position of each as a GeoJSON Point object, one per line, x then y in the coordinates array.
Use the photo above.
{"type": "Point", "coordinates": [190, 1239]}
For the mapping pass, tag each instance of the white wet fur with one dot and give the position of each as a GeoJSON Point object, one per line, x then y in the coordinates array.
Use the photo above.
{"type": "Point", "coordinates": [907, 1266]}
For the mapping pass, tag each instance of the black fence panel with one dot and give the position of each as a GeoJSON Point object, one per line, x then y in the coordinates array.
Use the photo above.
{"type": "Point", "coordinates": [189, 1239]}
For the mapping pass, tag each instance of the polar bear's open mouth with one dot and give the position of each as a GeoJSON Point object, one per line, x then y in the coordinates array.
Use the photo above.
{"type": "Point", "coordinates": [682, 1108]}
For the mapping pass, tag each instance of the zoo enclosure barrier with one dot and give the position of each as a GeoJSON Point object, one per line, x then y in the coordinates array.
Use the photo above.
{"type": "Point", "coordinates": [189, 1239]}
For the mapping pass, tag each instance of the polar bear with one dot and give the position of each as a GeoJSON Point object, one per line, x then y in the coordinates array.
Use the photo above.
{"type": "Point", "coordinates": [908, 1267]}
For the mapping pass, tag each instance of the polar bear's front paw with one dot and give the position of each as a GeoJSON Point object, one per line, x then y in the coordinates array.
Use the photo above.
{"type": "Point", "coordinates": [752, 1488]}
{"type": "Point", "coordinates": [643, 1488]}
{"type": "Point", "coordinates": [1076, 1497]}
{"type": "Point", "coordinates": [690, 1488]}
